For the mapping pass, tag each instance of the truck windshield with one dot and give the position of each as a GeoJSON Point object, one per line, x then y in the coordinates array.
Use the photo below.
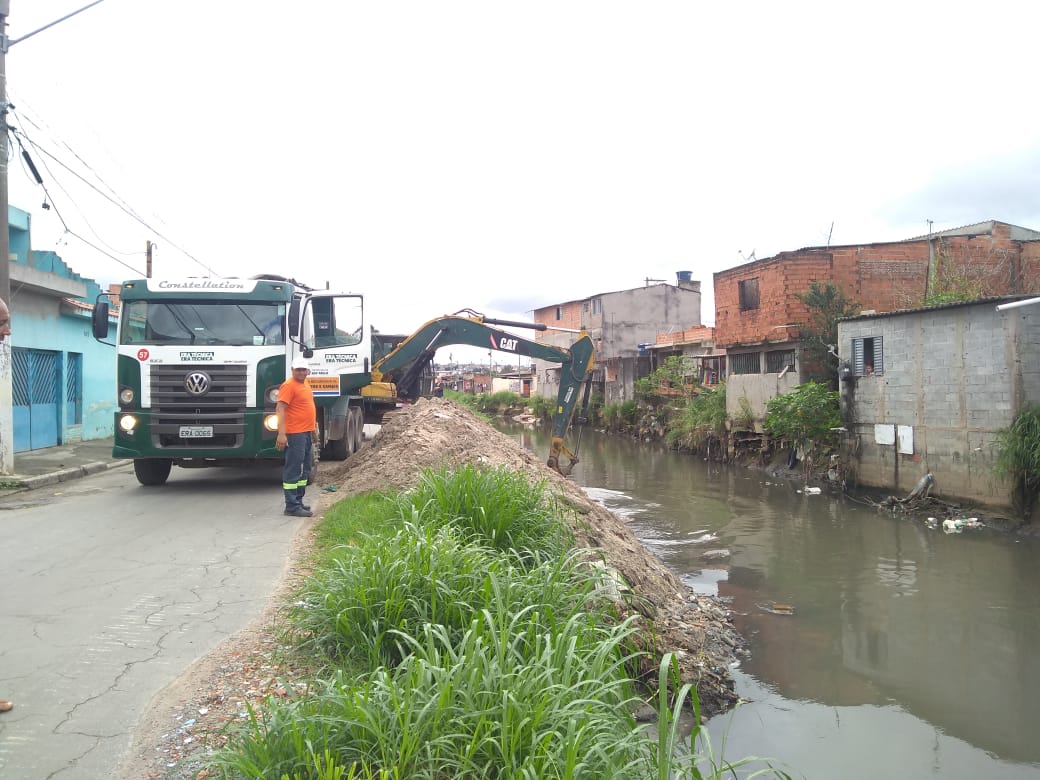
{"type": "Point", "coordinates": [213, 323]}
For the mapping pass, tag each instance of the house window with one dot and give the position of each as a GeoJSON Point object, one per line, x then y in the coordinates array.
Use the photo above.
{"type": "Point", "coordinates": [745, 363]}
{"type": "Point", "coordinates": [778, 360]}
{"type": "Point", "coordinates": [748, 294]}
{"type": "Point", "coordinates": [868, 358]}
{"type": "Point", "coordinates": [559, 313]}
{"type": "Point", "coordinates": [597, 306]}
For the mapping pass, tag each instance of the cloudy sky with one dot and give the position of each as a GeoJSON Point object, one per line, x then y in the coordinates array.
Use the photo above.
{"type": "Point", "coordinates": [437, 156]}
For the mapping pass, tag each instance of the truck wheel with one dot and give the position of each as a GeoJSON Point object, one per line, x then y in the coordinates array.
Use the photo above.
{"type": "Point", "coordinates": [336, 449]}
{"type": "Point", "coordinates": [359, 428]}
{"type": "Point", "coordinates": [152, 471]}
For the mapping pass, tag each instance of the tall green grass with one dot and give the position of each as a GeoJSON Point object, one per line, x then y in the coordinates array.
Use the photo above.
{"type": "Point", "coordinates": [462, 639]}
{"type": "Point", "coordinates": [494, 507]}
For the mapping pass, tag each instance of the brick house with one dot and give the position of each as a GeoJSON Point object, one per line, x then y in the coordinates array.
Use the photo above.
{"type": "Point", "coordinates": [757, 315]}
{"type": "Point", "coordinates": [622, 324]}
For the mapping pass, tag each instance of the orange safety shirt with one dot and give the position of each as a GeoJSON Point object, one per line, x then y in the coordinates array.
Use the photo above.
{"type": "Point", "coordinates": [300, 412]}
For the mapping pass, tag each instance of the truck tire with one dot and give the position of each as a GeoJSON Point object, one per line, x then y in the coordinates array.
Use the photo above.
{"type": "Point", "coordinates": [152, 472]}
{"type": "Point", "coordinates": [339, 449]}
{"type": "Point", "coordinates": [359, 428]}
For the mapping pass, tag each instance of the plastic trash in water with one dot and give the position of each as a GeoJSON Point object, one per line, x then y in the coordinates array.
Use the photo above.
{"type": "Point", "coordinates": [813, 491]}
{"type": "Point", "coordinates": [958, 524]}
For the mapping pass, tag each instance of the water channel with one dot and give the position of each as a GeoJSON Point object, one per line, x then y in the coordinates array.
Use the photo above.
{"type": "Point", "coordinates": [911, 653]}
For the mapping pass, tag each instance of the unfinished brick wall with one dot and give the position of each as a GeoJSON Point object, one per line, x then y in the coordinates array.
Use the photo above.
{"type": "Point", "coordinates": [570, 315]}
{"type": "Point", "coordinates": [778, 279]}
{"type": "Point", "coordinates": [1029, 267]}
{"type": "Point", "coordinates": [879, 277]}
{"type": "Point", "coordinates": [696, 334]}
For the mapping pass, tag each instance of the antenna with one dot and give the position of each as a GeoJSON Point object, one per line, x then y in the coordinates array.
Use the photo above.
{"type": "Point", "coordinates": [829, 234]}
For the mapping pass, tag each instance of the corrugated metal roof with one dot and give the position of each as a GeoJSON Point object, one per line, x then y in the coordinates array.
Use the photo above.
{"type": "Point", "coordinates": [955, 305]}
{"type": "Point", "coordinates": [1017, 232]}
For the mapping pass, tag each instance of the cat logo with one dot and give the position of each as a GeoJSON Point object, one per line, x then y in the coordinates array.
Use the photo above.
{"type": "Point", "coordinates": [508, 344]}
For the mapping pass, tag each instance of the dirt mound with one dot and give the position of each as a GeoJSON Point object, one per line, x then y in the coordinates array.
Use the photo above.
{"type": "Point", "coordinates": [436, 433]}
{"type": "Point", "coordinates": [195, 714]}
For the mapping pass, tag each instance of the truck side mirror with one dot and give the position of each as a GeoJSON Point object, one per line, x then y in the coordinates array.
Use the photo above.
{"type": "Point", "coordinates": [99, 320]}
{"type": "Point", "coordinates": [294, 319]}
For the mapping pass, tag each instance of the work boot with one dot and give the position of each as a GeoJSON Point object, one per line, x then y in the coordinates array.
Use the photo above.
{"type": "Point", "coordinates": [6, 706]}
{"type": "Point", "coordinates": [300, 511]}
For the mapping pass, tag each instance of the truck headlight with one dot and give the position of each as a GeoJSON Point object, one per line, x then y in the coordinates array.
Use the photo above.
{"type": "Point", "coordinates": [272, 395]}
{"type": "Point", "coordinates": [127, 423]}
{"type": "Point", "coordinates": [271, 422]}
{"type": "Point", "coordinates": [126, 396]}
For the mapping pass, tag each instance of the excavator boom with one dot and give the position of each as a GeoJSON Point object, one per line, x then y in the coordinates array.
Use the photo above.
{"type": "Point", "coordinates": [405, 364]}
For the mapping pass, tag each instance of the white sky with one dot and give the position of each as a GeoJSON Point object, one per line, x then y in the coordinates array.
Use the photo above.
{"type": "Point", "coordinates": [437, 156]}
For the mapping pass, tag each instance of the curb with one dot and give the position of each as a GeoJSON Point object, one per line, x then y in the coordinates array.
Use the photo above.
{"type": "Point", "coordinates": [76, 472]}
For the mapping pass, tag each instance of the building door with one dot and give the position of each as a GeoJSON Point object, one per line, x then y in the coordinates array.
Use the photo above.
{"type": "Point", "coordinates": [35, 391]}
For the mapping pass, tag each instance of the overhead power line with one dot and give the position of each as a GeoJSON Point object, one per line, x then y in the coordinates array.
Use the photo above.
{"type": "Point", "coordinates": [114, 199]}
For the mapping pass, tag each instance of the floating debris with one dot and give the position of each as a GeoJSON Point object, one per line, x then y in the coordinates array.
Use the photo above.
{"type": "Point", "coordinates": [776, 608]}
{"type": "Point", "coordinates": [956, 525]}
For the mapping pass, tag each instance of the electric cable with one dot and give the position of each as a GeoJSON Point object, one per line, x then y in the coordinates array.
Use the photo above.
{"type": "Point", "coordinates": [71, 232]}
{"type": "Point", "coordinates": [126, 209]}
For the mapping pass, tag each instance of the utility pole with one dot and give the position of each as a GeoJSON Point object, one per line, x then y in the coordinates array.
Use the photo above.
{"type": "Point", "coordinates": [148, 245]}
{"type": "Point", "coordinates": [6, 392]}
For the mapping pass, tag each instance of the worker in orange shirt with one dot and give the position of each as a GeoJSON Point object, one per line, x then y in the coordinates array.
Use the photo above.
{"type": "Point", "coordinates": [296, 421]}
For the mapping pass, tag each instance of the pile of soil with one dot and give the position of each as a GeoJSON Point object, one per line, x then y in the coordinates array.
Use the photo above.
{"type": "Point", "coordinates": [434, 433]}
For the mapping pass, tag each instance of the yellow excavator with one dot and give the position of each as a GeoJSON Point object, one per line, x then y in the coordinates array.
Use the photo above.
{"type": "Point", "coordinates": [401, 372]}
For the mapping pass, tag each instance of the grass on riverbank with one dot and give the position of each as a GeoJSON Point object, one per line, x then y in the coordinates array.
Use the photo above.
{"type": "Point", "coordinates": [462, 636]}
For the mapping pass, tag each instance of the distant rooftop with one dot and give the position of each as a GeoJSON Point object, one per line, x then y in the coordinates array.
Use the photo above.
{"type": "Point", "coordinates": [983, 229]}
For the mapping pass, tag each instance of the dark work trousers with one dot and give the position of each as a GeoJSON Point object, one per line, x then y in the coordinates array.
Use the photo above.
{"type": "Point", "coordinates": [297, 468]}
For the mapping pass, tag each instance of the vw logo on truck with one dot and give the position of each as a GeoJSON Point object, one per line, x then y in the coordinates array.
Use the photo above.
{"type": "Point", "coordinates": [197, 382]}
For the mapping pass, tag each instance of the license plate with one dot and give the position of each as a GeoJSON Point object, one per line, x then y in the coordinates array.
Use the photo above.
{"type": "Point", "coordinates": [196, 431]}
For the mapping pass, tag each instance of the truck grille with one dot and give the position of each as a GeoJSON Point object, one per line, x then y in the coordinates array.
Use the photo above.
{"type": "Point", "coordinates": [219, 401]}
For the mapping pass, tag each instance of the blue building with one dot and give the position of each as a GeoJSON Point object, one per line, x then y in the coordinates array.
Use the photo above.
{"type": "Point", "coordinates": [62, 379]}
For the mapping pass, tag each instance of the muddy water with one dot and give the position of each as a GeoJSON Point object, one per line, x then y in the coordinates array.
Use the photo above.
{"type": "Point", "coordinates": [910, 653]}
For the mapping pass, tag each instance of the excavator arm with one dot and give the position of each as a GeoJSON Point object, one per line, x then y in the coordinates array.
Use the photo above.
{"type": "Point", "coordinates": [405, 364]}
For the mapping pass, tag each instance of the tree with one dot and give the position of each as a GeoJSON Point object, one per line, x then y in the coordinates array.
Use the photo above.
{"type": "Point", "coordinates": [806, 417]}
{"type": "Point", "coordinates": [827, 304]}
{"type": "Point", "coordinates": [673, 380]}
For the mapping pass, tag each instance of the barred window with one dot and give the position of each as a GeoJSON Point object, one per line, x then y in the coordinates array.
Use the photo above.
{"type": "Point", "coordinates": [778, 360]}
{"type": "Point", "coordinates": [745, 363]}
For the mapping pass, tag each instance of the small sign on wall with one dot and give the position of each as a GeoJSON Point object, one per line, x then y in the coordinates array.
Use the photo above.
{"type": "Point", "coordinates": [885, 433]}
{"type": "Point", "coordinates": [905, 434]}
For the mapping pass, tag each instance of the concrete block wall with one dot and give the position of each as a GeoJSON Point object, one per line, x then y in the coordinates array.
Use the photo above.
{"type": "Point", "coordinates": [956, 375]}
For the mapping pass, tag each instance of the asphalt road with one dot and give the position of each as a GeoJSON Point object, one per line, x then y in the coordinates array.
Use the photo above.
{"type": "Point", "coordinates": [110, 590]}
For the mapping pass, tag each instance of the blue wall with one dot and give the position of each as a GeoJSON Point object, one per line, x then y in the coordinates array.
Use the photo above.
{"type": "Point", "coordinates": [53, 324]}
